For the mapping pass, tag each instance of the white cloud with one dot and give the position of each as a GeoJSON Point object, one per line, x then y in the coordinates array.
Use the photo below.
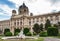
{"type": "Point", "coordinates": [6, 10]}
{"type": "Point", "coordinates": [1, 19]}
{"type": "Point", "coordinates": [37, 7]}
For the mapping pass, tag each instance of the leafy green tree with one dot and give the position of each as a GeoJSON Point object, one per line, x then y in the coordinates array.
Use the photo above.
{"type": "Point", "coordinates": [25, 31]}
{"type": "Point", "coordinates": [41, 27]}
{"type": "Point", "coordinates": [58, 23]}
{"type": "Point", "coordinates": [47, 24]}
{"type": "Point", "coordinates": [36, 28]}
{"type": "Point", "coordinates": [6, 30]}
{"type": "Point", "coordinates": [16, 31]}
{"type": "Point", "coordinates": [0, 31]}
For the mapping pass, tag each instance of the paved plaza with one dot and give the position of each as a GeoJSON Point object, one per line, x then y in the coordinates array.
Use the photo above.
{"type": "Point", "coordinates": [51, 39]}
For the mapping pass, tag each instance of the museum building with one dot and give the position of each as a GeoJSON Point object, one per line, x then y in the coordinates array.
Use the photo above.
{"type": "Point", "coordinates": [26, 19]}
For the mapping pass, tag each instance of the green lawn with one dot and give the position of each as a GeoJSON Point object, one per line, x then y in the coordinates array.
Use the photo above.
{"type": "Point", "coordinates": [39, 39]}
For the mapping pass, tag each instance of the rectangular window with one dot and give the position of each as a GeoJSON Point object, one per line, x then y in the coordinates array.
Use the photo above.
{"type": "Point", "coordinates": [41, 20]}
{"type": "Point", "coordinates": [29, 21]}
{"type": "Point", "coordinates": [33, 20]}
{"type": "Point", "coordinates": [37, 19]}
{"type": "Point", "coordinates": [57, 18]}
{"type": "Point", "coordinates": [51, 18]}
{"type": "Point", "coordinates": [20, 23]}
{"type": "Point", "coordinates": [17, 23]}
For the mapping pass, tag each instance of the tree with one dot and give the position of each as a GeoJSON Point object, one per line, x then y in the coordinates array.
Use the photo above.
{"type": "Point", "coordinates": [36, 28]}
{"type": "Point", "coordinates": [25, 31]}
{"type": "Point", "coordinates": [16, 31]}
{"type": "Point", "coordinates": [47, 24]}
{"type": "Point", "coordinates": [6, 30]}
{"type": "Point", "coordinates": [59, 23]}
{"type": "Point", "coordinates": [41, 27]}
{"type": "Point", "coordinates": [0, 31]}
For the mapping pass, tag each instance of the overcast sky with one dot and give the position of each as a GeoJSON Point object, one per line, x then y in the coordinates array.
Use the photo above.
{"type": "Point", "coordinates": [37, 7]}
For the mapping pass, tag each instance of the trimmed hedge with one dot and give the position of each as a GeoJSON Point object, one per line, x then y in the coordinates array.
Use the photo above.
{"type": "Point", "coordinates": [8, 34]}
{"type": "Point", "coordinates": [43, 34]}
{"type": "Point", "coordinates": [34, 33]}
{"type": "Point", "coordinates": [29, 34]}
{"type": "Point", "coordinates": [52, 31]}
{"type": "Point", "coordinates": [16, 33]}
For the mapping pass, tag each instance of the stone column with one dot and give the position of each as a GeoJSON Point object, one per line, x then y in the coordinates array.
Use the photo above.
{"type": "Point", "coordinates": [12, 30]}
{"type": "Point", "coordinates": [12, 27]}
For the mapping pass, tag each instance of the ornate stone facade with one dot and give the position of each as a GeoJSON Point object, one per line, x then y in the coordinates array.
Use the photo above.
{"type": "Point", "coordinates": [23, 19]}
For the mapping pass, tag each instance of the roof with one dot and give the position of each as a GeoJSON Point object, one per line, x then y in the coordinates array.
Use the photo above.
{"type": "Point", "coordinates": [45, 15]}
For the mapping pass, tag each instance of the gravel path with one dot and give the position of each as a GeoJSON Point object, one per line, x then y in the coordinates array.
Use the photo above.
{"type": "Point", "coordinates": [51, 39]}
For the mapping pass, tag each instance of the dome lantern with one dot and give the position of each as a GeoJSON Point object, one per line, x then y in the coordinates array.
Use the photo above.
{"type": "Point", "coordinates": [13, 12]}
{"type": "Point", "coordinates": [23, 10]}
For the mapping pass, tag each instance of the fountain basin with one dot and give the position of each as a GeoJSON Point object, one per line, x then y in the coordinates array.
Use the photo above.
{"type": "Point", "coordinates": [17, 37]}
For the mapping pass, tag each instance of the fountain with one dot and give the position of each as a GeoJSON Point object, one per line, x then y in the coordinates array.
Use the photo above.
{"type": "Point", "coordinates": [20, 36]}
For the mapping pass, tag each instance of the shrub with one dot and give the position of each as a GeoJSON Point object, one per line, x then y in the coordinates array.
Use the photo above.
{"type": "Point", "coordinates": [59, 34]}
{"type": "Point", "coordinates": [16, 33]}
{"type": "Point", "coordinates": [52, 31]}
{"type": "Point", "coordinates": [43, 34]}
{"type": "Point", "coordinates": [8, 34]}
{"type": "Point", "coordinates": [29, 34]}
{"type": "Point", "coordinates": [25, 31]}
{"type": "Point", "coordinates": [55, 25]}
{"type": "Point", "coordinates": [34, 33]}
